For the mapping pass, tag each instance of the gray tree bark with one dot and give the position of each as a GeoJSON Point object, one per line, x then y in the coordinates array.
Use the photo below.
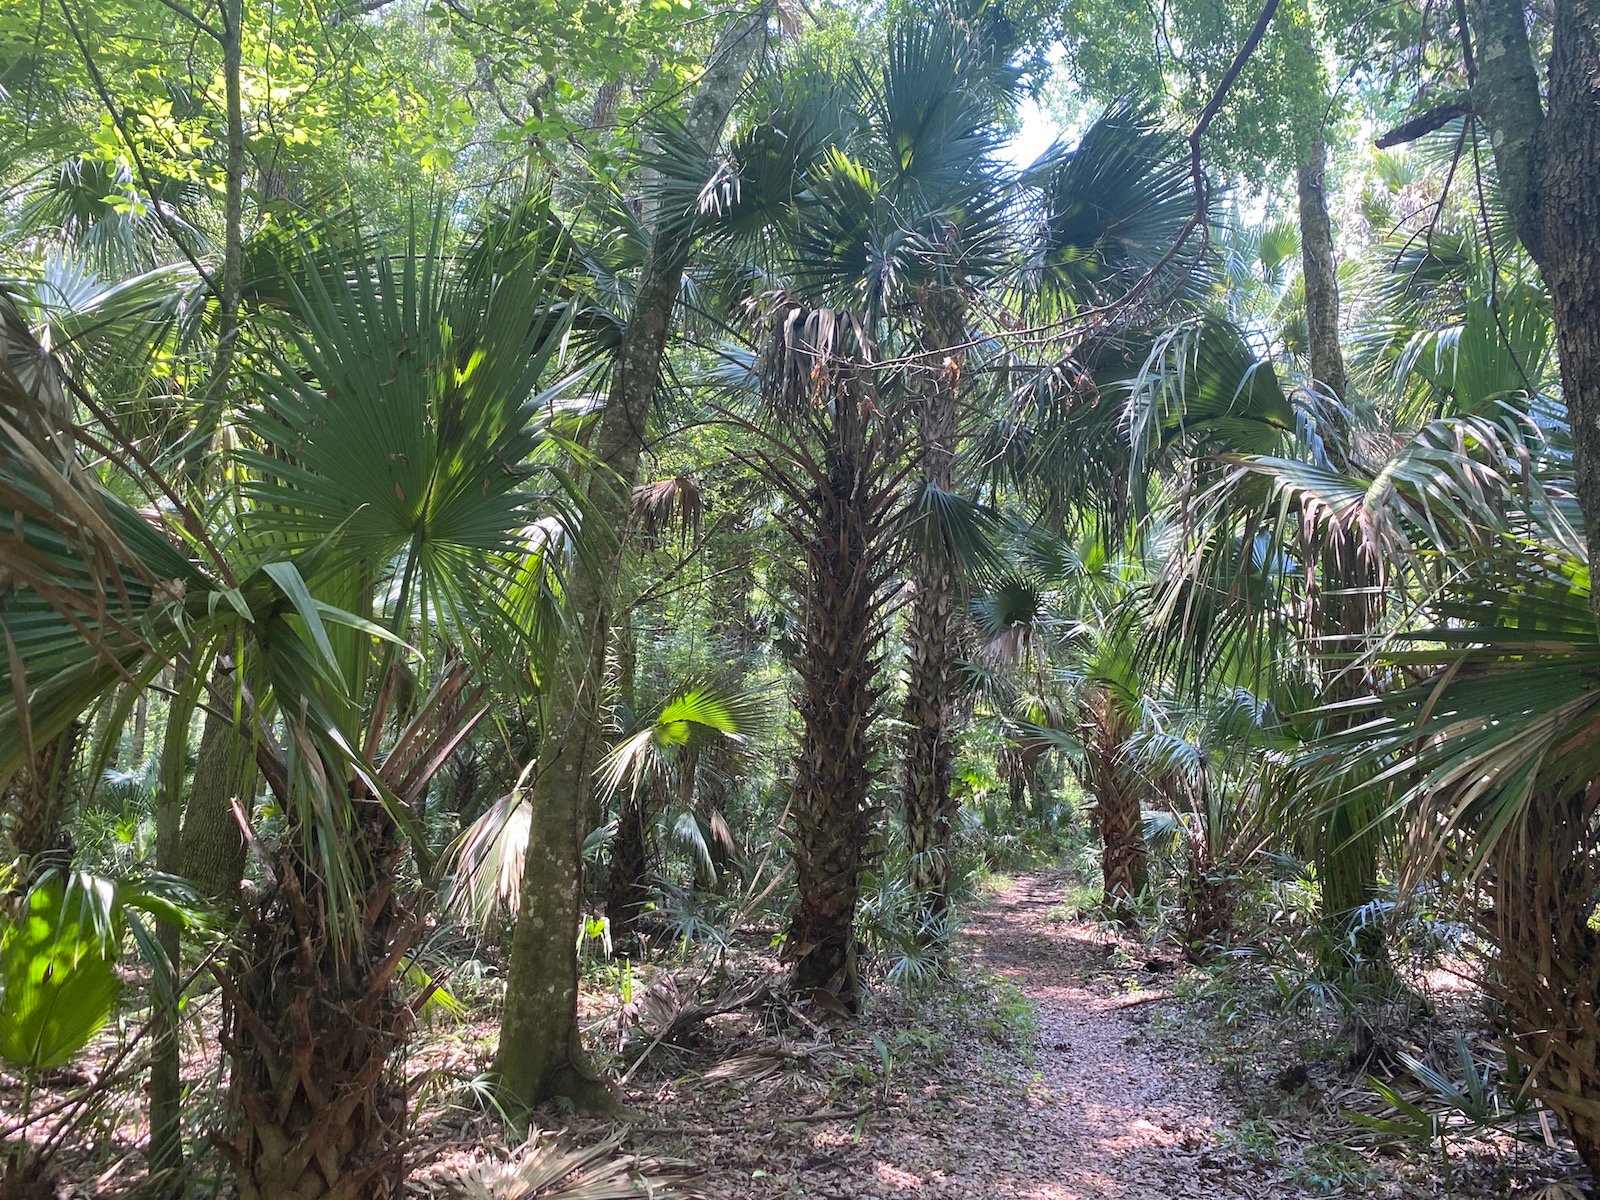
{"type": "Point", "coordinates": [541, 1055]}
{"type": "Point", "coordinates": [1318, 268]}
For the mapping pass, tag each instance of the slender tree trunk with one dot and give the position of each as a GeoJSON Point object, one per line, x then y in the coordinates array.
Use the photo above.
{"type": "Point", "coordinates": [141, 728]}
{"type": "Point", "coordinates": [626, 889]}
{"type": "Point", "coordinates": [166, 1141]}
{"type": "Point", "coordinates": [1346, 850]}
{"type": "Point", "coordinates": [540, 1054]}
{"type": "Point", "coordinates": [931, 644]}
{"type": "Point", "coordinates": [165, 1088]}
{"type": "Point", "coordinates": [232, 282]}
{"type": "Point", "coordinates": [1319, 270]}
{"type": "Point", "coordinates": [212, 847]}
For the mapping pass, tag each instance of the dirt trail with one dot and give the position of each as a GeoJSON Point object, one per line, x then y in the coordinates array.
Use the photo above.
{"type": "Point", "coordinates": [1102, 1113]}
{"type": "Point", "coordinates": [1113, 1114]}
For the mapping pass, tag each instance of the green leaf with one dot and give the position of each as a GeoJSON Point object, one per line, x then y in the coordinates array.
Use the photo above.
{"type": "Point", "coordinates": [57, 985]}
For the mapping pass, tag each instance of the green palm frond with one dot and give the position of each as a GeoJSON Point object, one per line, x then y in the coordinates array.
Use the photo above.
{"type": "Point", "coordinates": [104, 331]}
{"type": "Point", "coordinates": [1511, 711]}
{"type": "Point", "coordinates": [414, 437]}
{"type": "Point", "coordinates": [696, 713]}
{"type": "Point", "coordinates": [1107, 211]}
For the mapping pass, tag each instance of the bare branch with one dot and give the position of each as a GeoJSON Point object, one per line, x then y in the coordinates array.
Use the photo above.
{"type": "Point", "coordinates": [1425, 123]}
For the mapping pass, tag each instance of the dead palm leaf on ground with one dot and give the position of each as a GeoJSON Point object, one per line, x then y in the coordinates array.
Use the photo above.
{"type": "Point", "coordinates": [549, 1167]}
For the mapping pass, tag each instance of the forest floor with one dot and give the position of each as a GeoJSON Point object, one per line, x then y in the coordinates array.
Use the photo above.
{"type": "Point", "coordinates": [1063, 1063]}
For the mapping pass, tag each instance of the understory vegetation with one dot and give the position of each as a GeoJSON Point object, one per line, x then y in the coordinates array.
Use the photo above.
{"type": "Point", "coordinates": [656, 597]}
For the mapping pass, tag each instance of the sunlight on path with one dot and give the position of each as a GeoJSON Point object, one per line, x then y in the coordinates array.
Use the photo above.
{"type": "Point", "coordinates": [1110, 1117]}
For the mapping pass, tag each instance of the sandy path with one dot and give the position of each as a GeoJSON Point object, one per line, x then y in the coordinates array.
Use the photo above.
{"type": "Point", "coordinates": [1109, 1108]}
{"type": "Point", "coordinates": [1103, 1113]}
{"type": "Point", "coordinates": [1112, 1115]}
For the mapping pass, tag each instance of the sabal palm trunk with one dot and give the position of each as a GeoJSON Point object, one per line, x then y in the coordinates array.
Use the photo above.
{"type": "Point", "coordinates": [1124, 855]}
{"type": "Point", "coordinates": [36, 801]}
{"type": "Point", "coordinates": [845, 513]}
{"type": "Point", "coordinates": [314, 1028]}
{"type": "Point", "coordinates": [931, 641]}
{"type": "Point", "coordinates": [838, 703]}
{"type": "Point", "coordinates": [1209, 899]}
{"type": "Point", "coordinates": [1547, 975]}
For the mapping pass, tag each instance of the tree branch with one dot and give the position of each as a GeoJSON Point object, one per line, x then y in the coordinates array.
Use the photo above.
{"type": "Point", "coordinates": [1425, 123]}
{"type": "Point", "coordinates": [1197, 170]}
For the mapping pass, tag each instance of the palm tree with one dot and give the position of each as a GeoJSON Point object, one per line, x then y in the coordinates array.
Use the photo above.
{"type": "Point", "coordinates": [654, 768]}
{"type": "Point", "coordinates": [827, 446]}
{"type": "Point", "coordinates": [388, 483]}
{"type": "Point", "coordinates": [885, 193]}
{"type": "Point", "coordinates": [1490, 759]}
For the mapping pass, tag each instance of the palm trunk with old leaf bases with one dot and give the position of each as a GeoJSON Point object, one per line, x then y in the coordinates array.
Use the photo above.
{"type": "Point", "coordinates": [931, 639]}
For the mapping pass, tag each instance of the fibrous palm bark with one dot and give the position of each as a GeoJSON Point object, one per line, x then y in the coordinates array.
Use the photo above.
{"type": "Point", "coordinates": [313, 1031]}
{"type": "Point", "coordinates": [1547, 973]}
{"type": "Point", "coordinates": [627, 890]}
{"type": "Point", "coordinates": [839, 699]}
{"type": "Point", "coordinates": [314, 1020]}
{"type": "Point", "coordinates": [830, 458]}
{"type": "Point", "coordinates": [931, 640]}
{"type": "Point", "coordinates": [1124, 856]}
{"type": "Point", "coordinates": [36, 800]}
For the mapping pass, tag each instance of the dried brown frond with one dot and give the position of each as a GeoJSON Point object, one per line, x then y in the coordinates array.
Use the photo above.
{"type": "Point", "coordinates": [668, 506]}
{"type": "Point", "coordinates": [548, 1167]}
{"type": "Point", "coordinates": [809, 351]}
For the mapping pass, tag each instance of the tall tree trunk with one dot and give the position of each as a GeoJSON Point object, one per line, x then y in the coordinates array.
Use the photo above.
{"type": "Point", "coordinates": [1345, 847]}
{"type": "Point", "coordinates": [141, 728]}
{"type": "Point", "coordinates": [931, 641]}
{"type": "Point", "coordinates": [232, 289]}
{"type": "Point", "coordinates": [1547, 155]}
{"type": "Point", "coordinates": [164, 1155]}
{"type": "Point", "coordinates": [839, 700]}
{"type": "Point", "coordinates": [1319, 271]}
{"type": "Point", "coordinates": [540, 1054]}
